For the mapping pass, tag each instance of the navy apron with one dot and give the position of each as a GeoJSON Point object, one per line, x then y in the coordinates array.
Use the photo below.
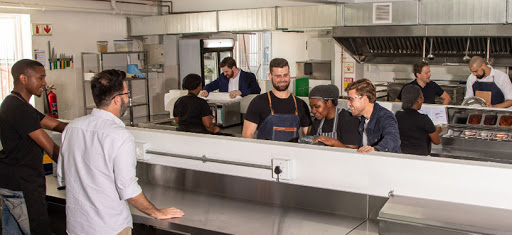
{"type": "Point", "coordinates": [280, 127]}
{"type": "Point", "coordinates": [497, 96]}
{"type": "Point", "coordinates": [334, 133]}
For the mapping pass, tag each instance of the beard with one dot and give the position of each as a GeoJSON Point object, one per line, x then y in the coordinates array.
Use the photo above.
{"type": "Point", "coordinates": [281, 87]}
{"type": "Point", "coordinates": [481, 76]}
{"type": "Point", "coordinates": [124, 107]}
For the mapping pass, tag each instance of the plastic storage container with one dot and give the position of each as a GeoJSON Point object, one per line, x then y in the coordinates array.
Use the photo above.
{"type": "Point", "coordinates": [123, 45]}
{"type": "Point", "coordinates": [102, 46]}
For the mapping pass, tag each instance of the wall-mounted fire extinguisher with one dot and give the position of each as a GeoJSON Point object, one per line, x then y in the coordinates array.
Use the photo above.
{"type": "Point", "coordinates": [52, 103]}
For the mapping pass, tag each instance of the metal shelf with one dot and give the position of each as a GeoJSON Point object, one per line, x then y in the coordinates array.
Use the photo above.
{"type": "Point", "coordinates": [100, 67]}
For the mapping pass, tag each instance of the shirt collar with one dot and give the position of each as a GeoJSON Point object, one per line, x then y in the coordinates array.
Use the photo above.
{"type": "Point", "coordinates": [108, 115]}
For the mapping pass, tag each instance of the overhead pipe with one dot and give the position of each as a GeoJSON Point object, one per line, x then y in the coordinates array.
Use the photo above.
{"type": "Point", "coordinates": [47, 7]}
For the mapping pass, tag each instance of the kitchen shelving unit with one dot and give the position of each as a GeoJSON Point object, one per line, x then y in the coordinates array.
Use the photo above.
{"type": "Point", "coordinates": [101, 58]}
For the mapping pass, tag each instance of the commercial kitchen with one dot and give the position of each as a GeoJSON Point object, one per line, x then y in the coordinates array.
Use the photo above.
{"type": "Point", "coordinates": [228, 184]}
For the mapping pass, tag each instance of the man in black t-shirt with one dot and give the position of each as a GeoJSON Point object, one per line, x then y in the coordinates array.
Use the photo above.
{"type": "Point", "coordinates": [429, 88]}
{"type": "Point", "coordinates": [278, 114]}
{"type": "Point", "coordinates": [22, 180]}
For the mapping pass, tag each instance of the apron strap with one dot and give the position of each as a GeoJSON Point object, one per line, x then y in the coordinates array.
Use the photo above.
{"type": "Point", "coordinates": [270, 103]}
{"type": "Point", "coordinates": [294, 100]}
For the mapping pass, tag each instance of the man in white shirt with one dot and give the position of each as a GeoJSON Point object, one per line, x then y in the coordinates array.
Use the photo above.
{"type": "Point", "coordinates": [98, 160]}
{"type": "Point", "coordinates": [488, 83]}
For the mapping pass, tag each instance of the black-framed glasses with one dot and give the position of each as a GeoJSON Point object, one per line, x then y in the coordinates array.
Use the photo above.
{"type": "Point", "coordinates": [126, 93]}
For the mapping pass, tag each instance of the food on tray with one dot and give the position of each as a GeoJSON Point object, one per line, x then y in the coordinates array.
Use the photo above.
{"type": "Point", "coordinates": [490, 120]}
{"type": "Point", "coordinates": [501, 136]}
{"type": "Point", "coordinates": [475, 119]}
{"type": "Point", "coordinates": [506, 120]}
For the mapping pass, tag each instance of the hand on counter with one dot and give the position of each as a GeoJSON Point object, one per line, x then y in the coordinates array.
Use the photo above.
{"type": "Point", "coordinates": [234, 94]}
{"type": "Point", "coordinates": [169, 213]}
{"type": "Point", "coordinates": [216, 129]}
{"type": "Point", "coordinates": [366, 149]}
{"type": "Point", "coordinates": [203, 93]}
{"type": "Point", "coordinates": [326, 140]}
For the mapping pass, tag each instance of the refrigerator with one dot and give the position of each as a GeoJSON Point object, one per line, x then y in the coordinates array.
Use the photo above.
{"type": "Point", "coordinates": [203, 56]}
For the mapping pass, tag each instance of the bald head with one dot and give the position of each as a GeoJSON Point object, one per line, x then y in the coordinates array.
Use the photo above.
{"type": "Point", "coordinates": [476, 61]}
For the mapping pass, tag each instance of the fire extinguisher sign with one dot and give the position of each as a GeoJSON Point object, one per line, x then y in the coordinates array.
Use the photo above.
{"type": "Point", "coordinates": [42, 29]}
{"type": "Point", "coordinates": [347, 81]}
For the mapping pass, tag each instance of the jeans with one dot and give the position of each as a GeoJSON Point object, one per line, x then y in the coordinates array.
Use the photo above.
{"type": "Point", "coordinates": [14, 213]}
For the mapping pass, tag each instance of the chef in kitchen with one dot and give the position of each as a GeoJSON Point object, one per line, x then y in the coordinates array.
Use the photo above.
{"type": "Point", "coordinates": [277, 115]}
{"type": "Point", "coordinates": [334, 126]}
{"type": "Point", "coordinates": [233, 80]}
{"type": "Point", "coordinates": [429, 88]}
{"type": "Point", "coordinates": [489, 84]}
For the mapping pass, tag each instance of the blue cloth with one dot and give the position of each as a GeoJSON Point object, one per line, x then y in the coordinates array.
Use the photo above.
{"type": "Point", "coordinates": [14, 212]}
{"type": "Point", "coordinates": [382, 130]}
{"type": "Point", "coordinates": [280, 127]}
{"type": "Point", "coordinates": [497, 96]}
{"type": "Point", "coordinates": [247, 84]}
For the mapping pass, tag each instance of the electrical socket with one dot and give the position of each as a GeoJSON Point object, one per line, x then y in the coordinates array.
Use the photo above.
{"type": "Point", "coordinates": [140, 150]}
{"type": "Point", "coordinates": [286, 166]}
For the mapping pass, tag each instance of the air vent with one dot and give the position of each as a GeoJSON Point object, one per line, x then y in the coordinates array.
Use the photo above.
{"type": "Point", "coordinates": [382, 13]}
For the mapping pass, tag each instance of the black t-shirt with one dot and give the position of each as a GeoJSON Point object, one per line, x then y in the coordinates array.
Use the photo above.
{"type": "Point", "coordinates": [347, 128]}
{"type": "Point", "coordinates": [414, 129]}
{"type": "Point", "coordinates": [24, 162]}
{"type": "Point", "coordinates": [259, 109]}
{"type": "Point", "coordinates": [430, 91]}
{"type": "Point", "coordinates": [190, 110]}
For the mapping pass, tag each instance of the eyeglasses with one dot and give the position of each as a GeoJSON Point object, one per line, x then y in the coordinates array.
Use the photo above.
{"type": "Point", "coordinates": [355, 97]}
{"type": "Point", "coordinates": [126, 93]}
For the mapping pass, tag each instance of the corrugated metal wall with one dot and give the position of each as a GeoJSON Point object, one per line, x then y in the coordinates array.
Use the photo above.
{"type": "Point", "coordinates": [360, 14]}
{"type": "Point", "coordinates": [463, 12]}
{"type": "Point", "coordinates": [317, 16]}
{"type": "Point", "coordinates": [247, 20]}
{"type": "Point", "coordinates": [147, 25]}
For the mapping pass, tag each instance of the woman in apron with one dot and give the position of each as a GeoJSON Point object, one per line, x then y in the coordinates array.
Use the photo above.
{"type": "Point", "coordinates": [334, 126]}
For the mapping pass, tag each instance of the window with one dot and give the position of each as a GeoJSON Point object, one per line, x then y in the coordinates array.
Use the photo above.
{"type": "Point", "coordinates": [16, 44]}
{"type": "Point", "coordinates": [252, 53]}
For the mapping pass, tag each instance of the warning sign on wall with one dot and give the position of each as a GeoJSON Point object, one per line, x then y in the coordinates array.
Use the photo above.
{"type": "Point", "coordinates": [42, 29]}
{"type": "Point", "coordinates": [347, 81]}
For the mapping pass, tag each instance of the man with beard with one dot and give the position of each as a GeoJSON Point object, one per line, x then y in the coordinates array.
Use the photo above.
{"type": "Point", "coordinates": [233, 80]}
{"type": "Point", "coordinates": [378, 127]}
{"type": "Point", "coordinates": [278, 114]}
{"type": "Point", "coordinates": [98, 165]}
{"type": "Point", "coordinates": [488, 83]}
{"type": "Point", "coordinates": [23, 139]}
{"type": "Point", "coordinates": [429, 88]}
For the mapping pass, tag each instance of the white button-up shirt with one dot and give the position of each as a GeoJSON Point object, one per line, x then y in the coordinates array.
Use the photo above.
{"type": "Point", "coordinates": [500, 78]}
{"type": "Point", "coordinates": [98, 158]}
{"type": "Point", "coordinates": [233, 82]}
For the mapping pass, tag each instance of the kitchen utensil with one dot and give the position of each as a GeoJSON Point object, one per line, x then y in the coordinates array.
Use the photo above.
{"type": "Point", "coordinates": [430, 56]}
{"type": "Point", "coordinates": [466, 58]}
{"type": "Point", "coordinates": [474, 101]}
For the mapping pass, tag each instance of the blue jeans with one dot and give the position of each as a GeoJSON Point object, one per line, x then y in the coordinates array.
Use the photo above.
{"type": "Point", "coordinates": [14, 212]}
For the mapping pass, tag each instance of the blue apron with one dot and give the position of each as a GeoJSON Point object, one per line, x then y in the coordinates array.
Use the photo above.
{"type": "Point", "coordinates": [280, 127]}
{"type": "Point", "coordinates": [497, 96]}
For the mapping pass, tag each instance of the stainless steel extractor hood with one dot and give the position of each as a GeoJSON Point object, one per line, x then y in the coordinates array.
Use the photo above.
{"type": "Point", "coordinates": [410, 44]}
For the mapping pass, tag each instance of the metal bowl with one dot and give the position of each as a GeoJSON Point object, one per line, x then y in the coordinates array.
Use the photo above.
{"type": "Point", "coordinates": [474, 101]}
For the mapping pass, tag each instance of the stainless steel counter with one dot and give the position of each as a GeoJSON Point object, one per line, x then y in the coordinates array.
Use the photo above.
{"type": "Point", "coordinates": [215, 214]}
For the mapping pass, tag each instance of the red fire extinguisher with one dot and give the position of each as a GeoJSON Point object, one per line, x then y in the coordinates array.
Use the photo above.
{"type": "Point", "coordinates": [52, 102]}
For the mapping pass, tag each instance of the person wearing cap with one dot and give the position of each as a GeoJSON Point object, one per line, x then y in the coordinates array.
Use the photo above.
{"type": "Point", "coordinates": [334, 126]}
{"type": "Point", "coordinates": [192, 113]}
{"type": "Point", "coordinates": [417, 131]}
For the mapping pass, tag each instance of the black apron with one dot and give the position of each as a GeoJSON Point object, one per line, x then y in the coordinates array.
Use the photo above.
{"type": "Point", "coordinates": [497, 96]}
{"type": "Point", "coordinates": [33, 184]}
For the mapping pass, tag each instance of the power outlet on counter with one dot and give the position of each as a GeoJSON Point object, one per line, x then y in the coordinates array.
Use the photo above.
{"type": "Point", "coordinates": [285, 167]}
{"type": "Point", "coordinates": [140, 150]}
